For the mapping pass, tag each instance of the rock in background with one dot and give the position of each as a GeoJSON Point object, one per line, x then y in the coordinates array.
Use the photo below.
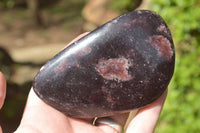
{"type": "Point", "coordinates": [96, 13]}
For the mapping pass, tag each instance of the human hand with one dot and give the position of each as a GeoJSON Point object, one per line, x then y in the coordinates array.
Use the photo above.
{"type": "Point", "coordinates": [39, 117]}
{"type": "Point", "coordinates": [2, 92]}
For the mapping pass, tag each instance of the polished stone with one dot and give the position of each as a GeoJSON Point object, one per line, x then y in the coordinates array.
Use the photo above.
{"type": "Point", "coordinates": [123, 65]}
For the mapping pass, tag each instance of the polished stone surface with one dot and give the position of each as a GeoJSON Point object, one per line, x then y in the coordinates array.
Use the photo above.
{"type": "Point", "coordinates": [123, 65]}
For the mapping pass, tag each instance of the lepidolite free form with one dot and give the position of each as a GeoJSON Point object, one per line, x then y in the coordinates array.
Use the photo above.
{"type": "Point", "coordinates": [123, 65]}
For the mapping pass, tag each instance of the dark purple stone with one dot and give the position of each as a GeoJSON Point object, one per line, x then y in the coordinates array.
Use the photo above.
{"type": "Point", "coordinates": [123, 65]}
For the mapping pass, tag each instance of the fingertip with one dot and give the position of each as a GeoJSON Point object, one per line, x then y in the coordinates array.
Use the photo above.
{"type": "Point", "coordinates": [77, 38]}
{"type": "Point", "coordinates": [147, 117]}
{"type": "Point", "coordinates": [2, 89]}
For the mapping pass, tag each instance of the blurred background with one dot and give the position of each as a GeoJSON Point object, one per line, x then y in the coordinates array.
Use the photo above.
{"type": "Point", "coordinates": [33, 31]}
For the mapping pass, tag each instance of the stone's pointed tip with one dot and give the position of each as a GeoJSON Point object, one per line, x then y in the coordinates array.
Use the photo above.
{"type": "Point", "coordinates": [123, 65]}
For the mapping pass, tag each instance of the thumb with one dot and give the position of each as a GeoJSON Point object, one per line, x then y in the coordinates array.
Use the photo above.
{"type": "Point", "coordinates": [2, 91]}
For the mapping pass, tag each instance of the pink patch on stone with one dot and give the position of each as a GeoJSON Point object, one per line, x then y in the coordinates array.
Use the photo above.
{"type": "Point", "coordinates": [112, 69]}
{"type": "Point", "coordinates": [162, 45]}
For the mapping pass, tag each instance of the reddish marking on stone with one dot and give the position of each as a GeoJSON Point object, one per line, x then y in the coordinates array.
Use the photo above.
{"type": "Point", "coordinates": [61, 68]}
{"type": "Point", "coordinates": [142, 22]}
{"type": "Point", "coordinates": [65, 65]}
{"type": "Point", "coordinates": [127, 25]}
{"type": "Point", "coordinates": [78, 65]}
{"type": "Point", "coordinates": [116, 68]}
{"type": "Point", "coordinates": [163, 29]}
{"type": "Point", "coordinates": [130, 54]}
{"type": "Point", "coordinates": [162, 45]}
{"type": "Point", "coordinates": [84, 51]}
{"type": "Point", "coordinates": [113, 85]}
{"type": "Point", "coordinates": [110, 100]}
{"type": "Point", "coordinates": [137, 21]}
{"type": "Point", "coordinates": [103, 88]}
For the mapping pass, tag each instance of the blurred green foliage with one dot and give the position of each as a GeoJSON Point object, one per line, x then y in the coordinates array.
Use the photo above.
{"type": "Point", "coordinates": [181, 113]}
{"type": "Point", "coordinates": [7, 3]}
{"type": "Point", "coordinates": [124, 6]}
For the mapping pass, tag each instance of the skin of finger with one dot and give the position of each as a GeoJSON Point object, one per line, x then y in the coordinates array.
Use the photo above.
{"type": "Point", "coordinates": [130, 117]}
{"type": "Point", "coordinates": [77, 38]}
{"type": "Point", "coordinates": [2, 89]}
{"type": "Point", "coordinates": [38, 115]}
{"type": "Point", "coordinates": [119, 118]}
{"type": "Point", "coordinates": [146, 118]}
{"type": "Point", "coordinates": [2, 92]}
